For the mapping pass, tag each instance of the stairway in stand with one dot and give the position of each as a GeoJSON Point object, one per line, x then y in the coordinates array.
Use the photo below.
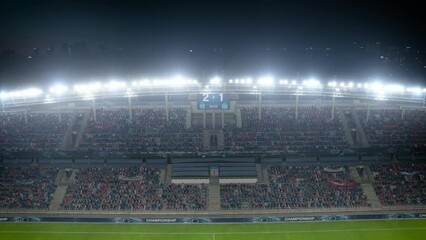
{"type": "Point", "coordinates": [214, 194]}
{"type": "Point", "coordinates": [368, 190]}
{"type": "Point", "coordinates": [63, 180]}
{"type": "Point", "coordinates": [58, 197]}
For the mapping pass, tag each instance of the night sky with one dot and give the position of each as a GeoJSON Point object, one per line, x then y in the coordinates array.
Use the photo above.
{"type": "Point", "coordinates": [168, 27]}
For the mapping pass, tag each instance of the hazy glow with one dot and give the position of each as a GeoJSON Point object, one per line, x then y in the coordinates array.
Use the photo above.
{"type": "Point", "coordinates": [115, 85]}
{"type": "Point", "coordinates": [265, 81]}
{"type": "Point", "coordinates": [332, 84]}
{"type": "Point", "coordinates": [215, 80]}
{"type": "Point", "coordinates": [283, 81]}
{"type": "Point", "coordinates": [243, 81]}
{"type": "Point", "coordinates": [31, 92]}
{"type": "Point", "coordinates": [312, 83]}
{"type": "Point", "coordinates": [87, 88]}
{"type": "Point", "coordinates": [90, 90]}
{"type": "Point", "coordinates": [415, 90]}
{"type": "Point", "coordinates": [376, 87]}
{"type": "Point", "coordinates": [58, 89]}
{"type": "Point", "coordinates": [394, 88]}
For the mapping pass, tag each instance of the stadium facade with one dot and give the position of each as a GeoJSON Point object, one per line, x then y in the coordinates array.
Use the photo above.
{"type": "Point", "coordinates": [241, 147]}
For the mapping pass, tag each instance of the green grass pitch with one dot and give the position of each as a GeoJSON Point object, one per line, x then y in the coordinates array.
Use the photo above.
{"type": "Point", "coordinates": [342, 230]}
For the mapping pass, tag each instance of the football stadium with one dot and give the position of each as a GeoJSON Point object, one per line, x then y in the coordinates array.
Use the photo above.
{"type": "Point", "coordinates": [212, 120]}
{"type": "Point", "coordinates": [235, 158]}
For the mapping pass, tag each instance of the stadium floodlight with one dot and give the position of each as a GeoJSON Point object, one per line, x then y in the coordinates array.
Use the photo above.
{"type": "Point", "coordinates": [376, 87]}
{"type": "Point", "coordinates": [415, 90]}
{"type": "Point", "coordinates": [94, 87]}
{"type": "Point", "coordinates": [265, 81]}
{"type": "Point", "coordinates": [394, 88]}
{"type": "Point", "coordinates": [249, 80]}
{"type": "Point", "coordinates": [359, 85]}
{"type": "Point", "coordinates": [231, 81]}
{"type": "Point", "coordinates": [283, 82]}
{"type": "Point", "coordinates": [145, 83]}
{"type": "Point", "coordinates": [367, 86]}
{"type": "Point", "coordinates": [215, 80]}
{"type": "Point", "coordinates": [3, 95]}
{"type": "Point", "coordinates": [294, 82]}
{"type": "Point", "coordinates": [14, 94]}
{"type": "Point", "coordinates": [87, 88]}
{"type": "Point", "coordinates": [31, 92]}
{"type": "Point", "coordinates": [58, 89]}
{"type": "Point", "coordinates": [79, 88]}
{"type": "Point", "coordinates": [311, 83]}
{"type": "Point", "coordinates": [177, 81]}
{"type": "Point", "coordinates": [332, 84]}
{"type": "Point", "coordinates": [115, 85]}
{"type": "Point", "coordinates": [350, 85]}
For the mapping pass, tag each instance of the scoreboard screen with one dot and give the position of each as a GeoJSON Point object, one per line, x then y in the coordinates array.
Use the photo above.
{"type": "Point", "coordinates": [213, 101]}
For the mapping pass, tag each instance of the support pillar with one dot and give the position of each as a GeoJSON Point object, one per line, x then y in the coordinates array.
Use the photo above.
{"type": "Point", "coordinates": [214, 120]}
{"type": "Point", "coordinates": [223, 119]}
{"type": "Point", "coordinates": [297, 106]}
{"type": "Point", "coordinates": [94, 109]}
{"type": "Point", "coordinates": [260, 106]}
{"type": "Point", "coordinates": [166, 103]}
{"type": "Point", "coordinates": [368, 113]}
{"type": "Point", "coordinates": [130, 108]}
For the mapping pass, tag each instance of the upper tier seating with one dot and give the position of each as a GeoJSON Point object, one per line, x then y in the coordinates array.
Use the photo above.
{"type": "Point", "coordinates": [279, 130]}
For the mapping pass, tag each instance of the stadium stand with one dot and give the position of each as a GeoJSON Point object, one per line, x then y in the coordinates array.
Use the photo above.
{"type": "Point", "coordinates": [131, 189]}
{"type": "Point", "coordinates": [293, 187]}
{"type": "Point", "coordinates": [148, 131]}
{"type": "Point", "coordinates": [41, 132]}
{"type": "Point", "coordinates": [253, 149]}
{"type": "Point", "coordinates": [400, 183]}
{"type": "Point", "coordinates": [279, 130]}
{"type": "Point", "coordinates": [394, 128]}
{"type": "Point", "coordinates": [27, 187]}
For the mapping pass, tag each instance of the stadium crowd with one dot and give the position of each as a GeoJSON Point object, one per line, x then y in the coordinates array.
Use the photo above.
{"type": "Point", "coordinates": [41, 132]}
{"type": "Point", "coordinates": [279, 130]}
{"type": "Point", "coordinates": [147, 131]}
{"type": "Point", "coordinates": [400, 183]}
{"type": "Point", "coordinates": [131, 189]}
{"type": "Point", "coordinates": [296, 187]}
{"type": "Point", "coordinates": [394, 128]}
{"type": "Point", "coordinates": [27, 187]}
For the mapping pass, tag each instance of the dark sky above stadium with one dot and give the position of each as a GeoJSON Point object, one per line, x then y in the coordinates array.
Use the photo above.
{"type": "Point", "coordinates": [139, 24]}
{"type": "Point", "coordinates": [158, 36]}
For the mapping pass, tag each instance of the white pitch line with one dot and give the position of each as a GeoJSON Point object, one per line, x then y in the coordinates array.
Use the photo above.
{"type": "Point", "coordinates": [214, 236]}
{"type": "Point", "coordinates": [214, 233]}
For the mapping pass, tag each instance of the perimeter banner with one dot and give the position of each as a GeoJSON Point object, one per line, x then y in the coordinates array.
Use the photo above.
{"type": "Point", "coordinates": [216, 220]}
